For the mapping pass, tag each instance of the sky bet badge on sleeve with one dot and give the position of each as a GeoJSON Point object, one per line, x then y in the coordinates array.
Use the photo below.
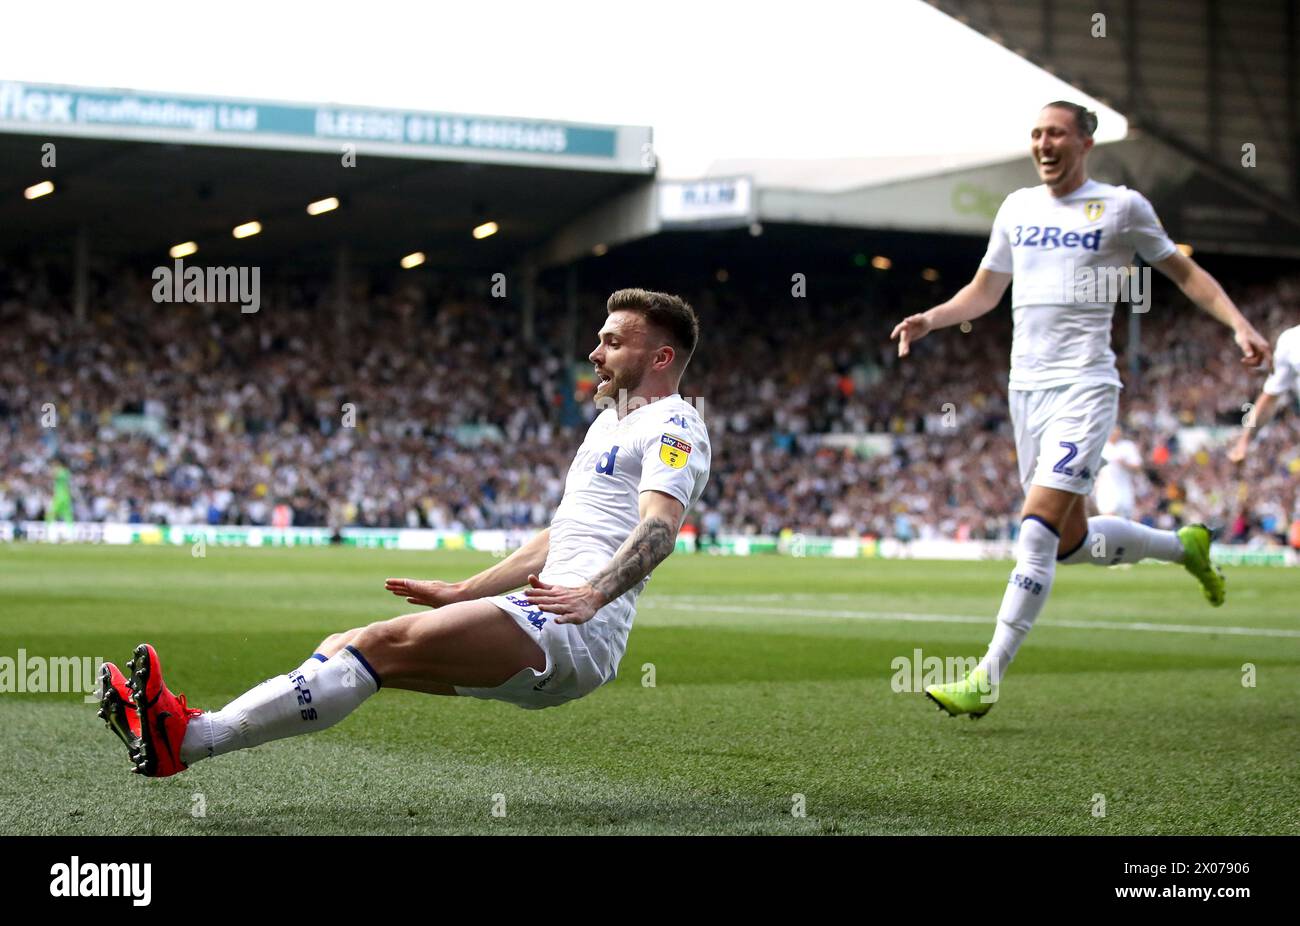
{"type": "Point", "coordinates": [674, 451]}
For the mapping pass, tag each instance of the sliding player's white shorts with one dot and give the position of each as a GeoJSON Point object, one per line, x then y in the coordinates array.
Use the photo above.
{"type": "Point", "coordinates": [1061, 432]}
{"type": "Point", "coordinates": [573, 665]}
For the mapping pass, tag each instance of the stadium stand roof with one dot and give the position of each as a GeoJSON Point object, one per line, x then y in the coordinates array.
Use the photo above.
{"type": "Point", "coordinates": [1194, 203]}
{"type": "Point", "coordinates": [1196, 80]}
{"type": "Point", "coordinates": [1205, 77]}
{"type": "Point", "coordinates": [142, 172]}
{"type": "Point", "coordinates": [831, 175]}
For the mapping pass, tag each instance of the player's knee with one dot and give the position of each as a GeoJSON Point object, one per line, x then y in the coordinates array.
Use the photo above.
{"type": "Point", "coordinates": [382, 639]}
{"type": "Point", "coordinates": [1043, 514]}
{"type": "Point", "coordinates": [335, 642]}
{"type": "Point", "coordinates": [1060, 511]}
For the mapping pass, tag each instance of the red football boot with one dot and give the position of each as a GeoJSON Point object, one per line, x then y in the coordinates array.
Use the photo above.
{"type": "Point", "coordinates": [163, 717]}
{"type": "Point", "coordinates": [117, 707]}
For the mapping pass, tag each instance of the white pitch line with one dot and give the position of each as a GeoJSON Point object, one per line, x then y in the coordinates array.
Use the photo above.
{"type": "Point", "coordinates": [697, 605]}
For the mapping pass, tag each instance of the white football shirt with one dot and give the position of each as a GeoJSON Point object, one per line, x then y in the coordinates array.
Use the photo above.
{"type": "Point", "coordinates": [1116, 479]}
{"type": "Point", "coordinates": [1061, 252]}
{"type": "Point", "coordinates": [662, 446]}
{"type": "Point", "coordinates": [1286, 364]}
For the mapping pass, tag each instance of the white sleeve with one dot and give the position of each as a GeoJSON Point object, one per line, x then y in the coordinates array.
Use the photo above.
{"type": "Point", "coordinates": [998, 256]}
{"type": "Point", "coordinates": [675, 461]}
{"type": "Point", "coordinates": [1143, 230]}
{"type": "Point", "coordinates": [1286, 364]}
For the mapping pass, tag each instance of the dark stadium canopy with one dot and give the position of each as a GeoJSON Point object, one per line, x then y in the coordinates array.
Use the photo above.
{"type": "Point", "coordinates": [137, 199]}
{"type": "Point", "coordinates": [136, 172]}
{"type": "Point", "coordinates": [1204, 77]}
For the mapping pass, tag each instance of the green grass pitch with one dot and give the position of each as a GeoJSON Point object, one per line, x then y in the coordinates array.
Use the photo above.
{"type": "Point", "coordinates": [773, 679]}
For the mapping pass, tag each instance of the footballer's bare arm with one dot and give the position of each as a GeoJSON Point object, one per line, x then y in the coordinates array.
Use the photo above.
{"type": "Point", "coordinates": [1256, 418]}
{"type": "Point", "coordinates": [978, 297]}
{"type": "Point", "coordinates": [649, 544]}
{"type": "Point", "coordinates": [1204, 290]}
{"type": "Point", "coordinates": [505, 576]}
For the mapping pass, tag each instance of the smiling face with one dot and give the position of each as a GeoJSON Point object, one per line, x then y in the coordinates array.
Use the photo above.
{"type": "Point", "coordinates": [1059, 149]}
{"type": "Point", "coordinates": [627, 349]}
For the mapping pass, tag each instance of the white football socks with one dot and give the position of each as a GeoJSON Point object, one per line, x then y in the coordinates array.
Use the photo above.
{"type": "Point", "coordinates": [314, 696]}
{"type": "Point", "coordinates": [311, 665]}
{"type": "Point", "coordinates": [1113, 540]}
{"type": "Point", "coordinates": [1027, 590]}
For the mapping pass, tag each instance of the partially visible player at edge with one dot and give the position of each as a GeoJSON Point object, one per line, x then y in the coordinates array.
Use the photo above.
{"type": "Point", "coordinates": [643, 464]}
{"type": "Point", "coordinates": [1284, 378]}
{"type": "Point", "coordinates": [1064, 388]}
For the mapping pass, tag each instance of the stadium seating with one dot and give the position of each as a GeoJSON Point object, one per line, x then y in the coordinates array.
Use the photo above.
{"type": "Point", "coordinates": [425, 408]}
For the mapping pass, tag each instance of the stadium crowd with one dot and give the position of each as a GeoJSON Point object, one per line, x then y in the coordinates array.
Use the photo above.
{"type": "Point", "coordinates": [426, 406]}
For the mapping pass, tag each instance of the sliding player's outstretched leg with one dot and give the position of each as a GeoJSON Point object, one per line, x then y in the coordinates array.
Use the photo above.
{"type": "Point", "coordinates": [469, 644]}
{"type": "Point", "coordinates": [117, 708]}
{"type": "Point", "coordinates": [164, 717]}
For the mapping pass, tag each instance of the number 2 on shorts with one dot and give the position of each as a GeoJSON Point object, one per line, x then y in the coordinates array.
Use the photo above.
{"type": "Point", "coordinates": [1071, 451]}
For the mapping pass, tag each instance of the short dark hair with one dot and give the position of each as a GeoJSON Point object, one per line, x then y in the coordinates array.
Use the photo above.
{"type": "Point", "coordinates": [671, 314]}
{"type": "Point", "coordinates": [1084, 117]}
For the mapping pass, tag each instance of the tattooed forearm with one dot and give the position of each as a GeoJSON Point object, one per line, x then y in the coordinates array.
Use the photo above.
{"type": "Point", "coordinates": [647, 547]}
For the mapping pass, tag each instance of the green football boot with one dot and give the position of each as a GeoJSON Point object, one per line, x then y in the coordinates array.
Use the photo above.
{"type": "Point", "coordinates": [1195, 539]}
{"type": "Point", "coordinates": [974, 695]}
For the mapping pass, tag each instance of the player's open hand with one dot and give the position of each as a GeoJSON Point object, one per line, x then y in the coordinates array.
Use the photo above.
{"type": "Point", "coordinates": [569, 605]}
{"type": "Point", "coordinates": [1255, 349]}
{"type": "Point", "coordinates": [431, 593]}
{"type": "Point", "coordinates": [1237, 452]}
{"type": "Point", "coordinates": [910, 329]}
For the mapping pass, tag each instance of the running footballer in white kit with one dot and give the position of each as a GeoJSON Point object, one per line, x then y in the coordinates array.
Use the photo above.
{"type": "Point", "coordinates": [1284, 379]}
{"type": "Point", "coordinates": [545, 626]}
{"type": "Point", "coordinates": [1060, 241]}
